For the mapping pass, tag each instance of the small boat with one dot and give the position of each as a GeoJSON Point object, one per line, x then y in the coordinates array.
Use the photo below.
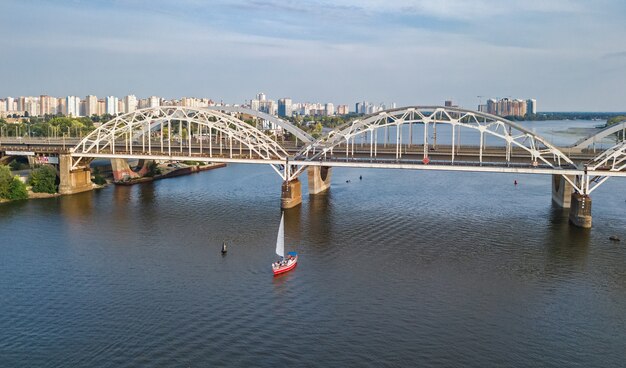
{"type": "Point", "coordinates": [224, 250]}
{"type": "Point", "coordinates": [283, 264]}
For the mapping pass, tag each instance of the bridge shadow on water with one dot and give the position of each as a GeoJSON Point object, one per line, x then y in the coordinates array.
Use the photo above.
{"type": "Point", "coordinates": [567, 246]}
{"type": "Point", "coordinates": [320, 217]}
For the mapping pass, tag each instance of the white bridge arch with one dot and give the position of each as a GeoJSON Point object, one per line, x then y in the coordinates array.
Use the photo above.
{"type": "Point", "coordinates": [612, 160]}
{"type": "Point", "coordinates": [591, 140]}
{"type": "Point", "coordinates": [186, 133]}
{"type": "Point", "coordinates": [513, 135]}
{"type": "Point", "coordinates": [199, 133]}
{"type": "Point", "coordinates": [297, 132]}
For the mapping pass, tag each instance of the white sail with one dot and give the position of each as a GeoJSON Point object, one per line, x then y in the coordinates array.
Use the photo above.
{"type": "Point", "coordinates": [280, 240]}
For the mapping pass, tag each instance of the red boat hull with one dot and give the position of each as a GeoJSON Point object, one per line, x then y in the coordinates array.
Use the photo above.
{"type": "Point", "coordinates": [280, 270]}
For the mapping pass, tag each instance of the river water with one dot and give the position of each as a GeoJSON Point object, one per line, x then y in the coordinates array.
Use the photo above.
{"type": "Point", "coordinates": [401, 268]}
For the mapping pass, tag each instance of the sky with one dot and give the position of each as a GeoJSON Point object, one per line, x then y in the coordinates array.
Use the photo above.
{"type": "Point", "coordinates": [568, 54]}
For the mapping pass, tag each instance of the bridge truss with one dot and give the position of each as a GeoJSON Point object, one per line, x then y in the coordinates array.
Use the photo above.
{"type": "Point", "coordinates": [404, 138]}
{"type": "Point", "coordinates": [612, 160]}
{"type": "Point", "coordinates": [182, 133]}
{"type": "Point", "coordinates": [400, 124]}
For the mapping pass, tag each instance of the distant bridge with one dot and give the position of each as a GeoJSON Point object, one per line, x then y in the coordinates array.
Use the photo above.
{"type": "Point", "coordinates": [405, 138]}
{"type": "Point", "coordinates": [597, 137]}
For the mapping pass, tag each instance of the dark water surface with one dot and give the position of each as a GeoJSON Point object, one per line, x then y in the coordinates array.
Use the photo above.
{"type": "Point", "coordinates": [403, 268]}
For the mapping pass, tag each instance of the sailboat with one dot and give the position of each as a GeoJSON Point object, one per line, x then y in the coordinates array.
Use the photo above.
{"type": "Point", "coordinates": [283, 264]}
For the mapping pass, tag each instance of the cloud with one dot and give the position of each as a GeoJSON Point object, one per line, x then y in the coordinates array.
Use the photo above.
{"type": "Point", "coordinates": [317, 50]}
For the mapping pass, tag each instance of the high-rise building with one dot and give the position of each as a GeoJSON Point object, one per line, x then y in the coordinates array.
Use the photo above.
{"type": "Point", "coordinates": [154, 101]}
{"type": "Point", "coordinates": [509, 107]}
{"type": "Point", "coordinates": [112, 105]}
{"type": "Point", "coordinates": [72, 105]}
{"type": "Point", "coordinates": [531, 106]}
{"type": "Point", "coordinates": [47, 105]}
{"type": "Point", "coordinates": [31, 106]}
{"type": "Point", "coordinates": [491, 106]}
{"type": "Point", "coordinates": [329, 109]}
{"type": "Point", "coordinates": [62, 106]}
{"type": "Point", "coordinates": [21, 103]}
{"type": "Point", "coordinates": [82, 111]}
{"type": "Point", "coordinates": [285, 107]}
{"type": "Point", "coordinates": [10, 104]}
{"type": "Point", "coordinates": [101, 110]}
{"type": "Point", "coordinates": [342, 110]}
{"type": "Point", "coordinates": [260, 96]}
{"type": "Point", "coordinates": [268, 107]}
{"type": "Point", "coordinates": [91, 105]}
{"type": "Point", "coordinates": [130, 103]}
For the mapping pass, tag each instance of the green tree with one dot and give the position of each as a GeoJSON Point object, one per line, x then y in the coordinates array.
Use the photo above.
{"type": "Point", "coordinates": [17, 189]}
{"type": "Point", "coordinates": [615, 120]}
{"type": "Point", "coordinates": [153, 169]}
{"type": "Point", "coordinates": [97, 177]}
{"type": "Point", "coordinates": [11, 187]}
{"type": "Point", "coordinates": [43, 180]}
{"type": "Point", "coordinates": [5, 181]}
{"type": "Point", "coordinates": [317, 130]}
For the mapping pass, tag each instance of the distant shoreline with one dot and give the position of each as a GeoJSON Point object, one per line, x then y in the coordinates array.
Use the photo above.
{"type": "Point", "coordinates": [552, 116]}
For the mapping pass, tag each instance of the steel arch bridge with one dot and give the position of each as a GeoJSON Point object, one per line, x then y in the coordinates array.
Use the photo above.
{"type": "Point", "coordinates": [297, 132]}
{"type": "Point", "coordinates": [201, 134]}
{"type": "Point", "coordinates": [511, 134]}
{"type": "Point", "coordinates": [597, 137]}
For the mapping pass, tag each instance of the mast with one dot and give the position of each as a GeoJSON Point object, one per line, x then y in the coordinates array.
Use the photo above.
{"type": "Point", "coordinates": [280, 239]}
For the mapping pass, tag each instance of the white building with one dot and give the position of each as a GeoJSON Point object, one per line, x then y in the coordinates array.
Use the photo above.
{"type": "Point", "coordinates": [130, 103]}
{"type": "Point", "coordinates": [10, 104]}
{"type": "Point", "coordinates": [154, 101]}
{"type": "Point", "coordinates": [91, 105]}
{"type": "Point", "coordinates": [329, 109]}
{"type": "Point", "coordinates": [111, 105]}
{"type": "Point", "coordinates": [31, 106]}
{"type": "Point", "coordinates": [72, 105]}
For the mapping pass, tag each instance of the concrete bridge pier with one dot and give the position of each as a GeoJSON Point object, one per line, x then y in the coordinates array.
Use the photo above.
{"type": "Point", "coordinates": [562, 191]}
{"type": "Point", "coordinates": [145, 166]}
{"type": "Point", "coordinates": [319, 179]}
{"type": "Point", "coordinates": [31, 161]}
{"type": "Point", "coordinates": [73, 180]}
{"type": "Point", "coordinates": [121, 170]}
{"type": "Point", "coordinates": [291, 194]}
{"type": "Point", "coordinates": [580, 210]}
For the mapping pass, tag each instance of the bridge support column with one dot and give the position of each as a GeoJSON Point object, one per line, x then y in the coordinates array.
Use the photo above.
{"type": "Point", "coordinates": [580, 211]}
{"type": "Point", "coordinates": [291, 194]}
{"type": "Point", "coordinates": [121, 170]}
{"type": "Point", "coordinates": [319, 179]}
{"type": "Point", "coordinates": [73, 181]}
{"type": "Point", "coordinates": [145, 167]}
{"type": "Point", "coordinates": [562, 191]}
{"type": "Point", "coordinates": [31, 161]}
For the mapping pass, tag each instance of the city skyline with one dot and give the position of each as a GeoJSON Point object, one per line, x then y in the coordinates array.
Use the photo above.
{"type": "Point", "coordinates": [411, 52]}
{"type": "Point", "coordinates": [282, 107]}
{"type": "Point", "coordinates": [92, 105]}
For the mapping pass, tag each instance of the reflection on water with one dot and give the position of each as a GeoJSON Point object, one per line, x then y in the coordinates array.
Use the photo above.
{"type": "Point", "coordinates": [401, 268]}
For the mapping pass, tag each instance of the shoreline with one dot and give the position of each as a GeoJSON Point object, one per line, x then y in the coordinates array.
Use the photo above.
{"type": "Point", "coordinates": [172, 174]}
